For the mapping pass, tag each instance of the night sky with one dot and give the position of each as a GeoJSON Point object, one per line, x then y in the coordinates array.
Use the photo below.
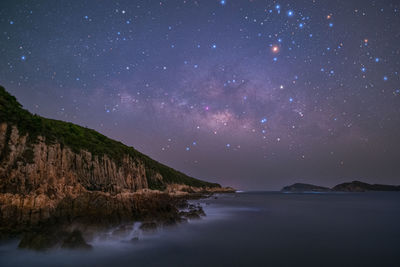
{"type": "Point", "coordinates": [251, 94]}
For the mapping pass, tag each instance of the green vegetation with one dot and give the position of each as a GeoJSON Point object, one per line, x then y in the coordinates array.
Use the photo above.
{"type": "Point", "coordinates": [79, 138]}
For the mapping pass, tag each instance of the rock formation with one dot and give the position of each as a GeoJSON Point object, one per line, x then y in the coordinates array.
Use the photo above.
{"type": "Point", "coordinates": [52, 171]}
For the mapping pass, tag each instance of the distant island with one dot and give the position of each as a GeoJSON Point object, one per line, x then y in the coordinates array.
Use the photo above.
{"type": "Point", "coordinates": [300, 187]}
{"type": "Point", "coordinates": [54, 174]}
{"type": "Point", "coordinates": [354, 186]}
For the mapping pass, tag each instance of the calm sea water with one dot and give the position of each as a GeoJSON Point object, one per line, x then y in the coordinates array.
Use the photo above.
{"type": "Point", "coordinates": [252, 229]}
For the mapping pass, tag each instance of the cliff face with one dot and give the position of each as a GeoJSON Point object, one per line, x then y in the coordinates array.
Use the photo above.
{"type": "Point", "coordinates": [36, 178]}
{"type": "Point", "coordinates": [39, 167]}
{"type": "Point", "coordinates": [53, 170]}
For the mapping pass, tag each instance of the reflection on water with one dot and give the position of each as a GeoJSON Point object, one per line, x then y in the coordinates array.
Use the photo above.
{"type": "Point", "coordinates": [249, 229]}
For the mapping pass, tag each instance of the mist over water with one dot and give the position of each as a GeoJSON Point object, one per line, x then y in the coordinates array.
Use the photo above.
{"type": "Point", "coordinates": [250, 229]}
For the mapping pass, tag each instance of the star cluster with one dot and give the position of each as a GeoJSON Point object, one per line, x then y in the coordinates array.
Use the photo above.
{"type": "Point", "coordinates": [254, 94]}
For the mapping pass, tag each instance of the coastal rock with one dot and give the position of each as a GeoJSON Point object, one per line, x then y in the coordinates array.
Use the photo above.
{"type": "Point", "coordinates": [47, 237]}
{"type": "Point", "coordinates": [193, 212]}
{"type": "Point", "coordinates": [75, 241]}
{"type": "Point", "coordinates": [181, 190]}
{"type": "Point", "coordinates": [41, 240]}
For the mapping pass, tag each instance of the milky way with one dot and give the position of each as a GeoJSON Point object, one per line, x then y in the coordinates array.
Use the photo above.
{"type": "Point", "coordinates": [253, 94]}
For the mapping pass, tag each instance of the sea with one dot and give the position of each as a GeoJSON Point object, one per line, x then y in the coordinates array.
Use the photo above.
{"type": "Point", "coordinates": [250, 229]}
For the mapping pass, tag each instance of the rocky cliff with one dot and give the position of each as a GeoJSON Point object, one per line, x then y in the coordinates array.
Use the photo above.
{"type": "Point", "coordinates": [53, 170]}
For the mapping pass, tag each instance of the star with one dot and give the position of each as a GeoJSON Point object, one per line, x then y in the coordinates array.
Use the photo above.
{"type": "Point", "coordinates": [275, 49]}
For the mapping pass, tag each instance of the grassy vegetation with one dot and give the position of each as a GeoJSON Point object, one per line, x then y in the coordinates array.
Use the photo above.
{"type": "Point", "coordinates": [79, 138]}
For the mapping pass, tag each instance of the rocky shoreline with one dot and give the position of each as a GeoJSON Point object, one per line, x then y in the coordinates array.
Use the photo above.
{"type": "Point", "coordinates": [71, 225]}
